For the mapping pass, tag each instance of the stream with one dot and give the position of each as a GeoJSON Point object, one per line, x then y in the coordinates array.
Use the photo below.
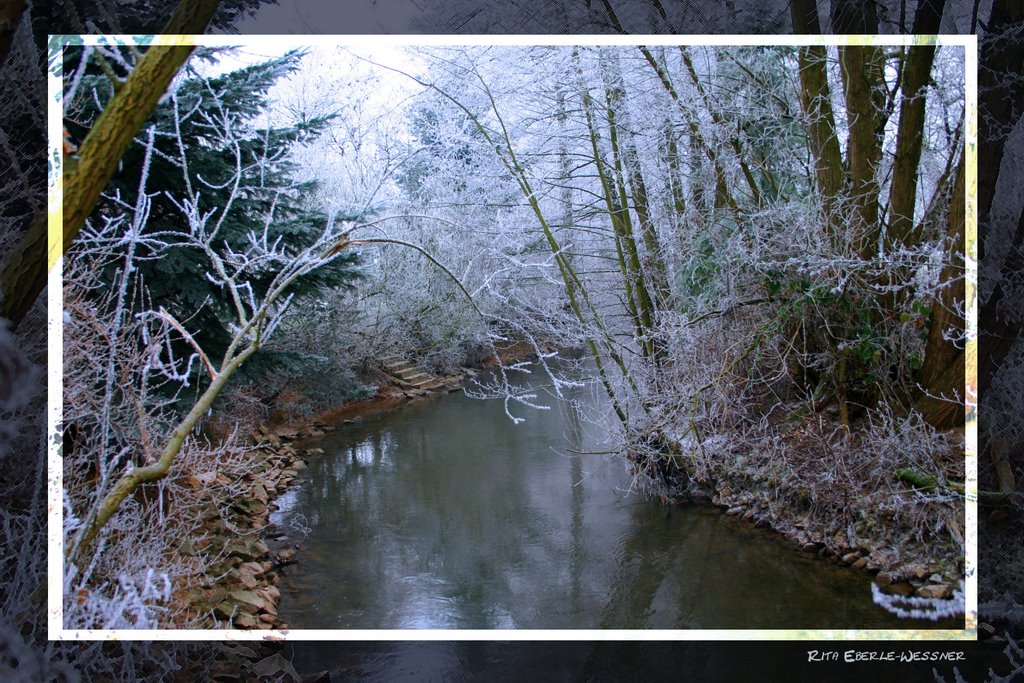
{"type": "Point", "coordinates": [444, 514]}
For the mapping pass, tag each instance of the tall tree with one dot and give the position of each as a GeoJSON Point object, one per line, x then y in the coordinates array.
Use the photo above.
{"type": "Point", "coordinates": [915, 72]}
{"type": "Point", "coordinates": [862, 68]}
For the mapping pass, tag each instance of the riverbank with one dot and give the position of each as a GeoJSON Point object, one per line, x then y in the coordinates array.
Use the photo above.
{"type": "Point", "coordinates": [839, 495]}
{"type": "Point", "coordinates": [840, 503]}
{"type": "Point", "coordinates": [232, 541]}
{"type": "Point", "coordinates": [249, 551]}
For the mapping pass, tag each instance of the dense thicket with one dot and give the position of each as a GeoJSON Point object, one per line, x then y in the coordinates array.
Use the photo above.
{"type": "Point", "coordinates": [815, 189]}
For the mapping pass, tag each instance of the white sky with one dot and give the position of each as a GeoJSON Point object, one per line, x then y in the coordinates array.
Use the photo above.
{"type": "Point", "coordinates": [328, 75]}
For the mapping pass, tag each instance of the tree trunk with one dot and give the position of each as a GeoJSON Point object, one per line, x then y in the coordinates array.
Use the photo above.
{"type": "Point", "coordinates": [673, 175]}
{"type": "Point", "coordinates": [942, 375]}
{"type": "Point", "coordinates": [135, 477]}
{"type": "Point", "coordinates": [565, 170]}
{"type": "Point", "coordinates": [620, 146]}
{"type": "Point", "coordinates": [941, 407]}
{"type": "Point", "coordinates": [696, 138]}
{"type": "Point", "coordinates": [864, 91]}
{"type": "Point", "coordinates": [915, 75]}
{"type": "Point", "coordinates": [653, 261]}
{"type": "Point", "coordinates": [191, 17]}
{"type": "Point", "coordinates": [113, 132]}
{"type": "Point", "coordinates": [804, 15]}
{"type": "Point", "coordinates": [716, 117]}
{"type": "Point", "coordinates": [1000, 104]}
{"type": "Point", "coordinates": [815, 99]}
{"type": "Point", "coordinates": [910, 136]}
{"type": "Point", "coordinates": [24, 273]}
{"type": "Point", "coordinates": [616, 203]}
{"type": "Point", "coordinates": [999, 318]}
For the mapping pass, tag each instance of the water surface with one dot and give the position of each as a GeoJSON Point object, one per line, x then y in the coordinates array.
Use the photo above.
{"type": "Point", "coordinates": [445, 515]}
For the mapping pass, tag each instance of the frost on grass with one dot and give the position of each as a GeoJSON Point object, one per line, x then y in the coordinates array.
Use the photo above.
{"type": "Point", "coordinates": [912, 607]}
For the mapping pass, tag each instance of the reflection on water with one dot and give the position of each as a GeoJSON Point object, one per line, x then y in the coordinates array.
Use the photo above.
{"type": "Point", "coordinates": [446, 515]}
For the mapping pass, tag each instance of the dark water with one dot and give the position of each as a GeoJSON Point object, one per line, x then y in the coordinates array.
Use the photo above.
{"type": "Point", "coordinates": [446, 515]}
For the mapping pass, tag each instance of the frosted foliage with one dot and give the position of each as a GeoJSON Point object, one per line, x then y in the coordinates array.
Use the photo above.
{"type": "Point", "coordinates": [23, 519]}
{"type": "Point", "coordinates": [498, 166]}
{"type": "Point", "coordinates": [501, 185]}
{"type": "Point", "coordinates": [460, 207]}
{"type": "Point", "coordinates": [131, 603]}
{"type": "Point", "coordinates": [910, 607]}
{"type": "Point", "coordinates": [19, 382]}
{"type": "Point", "coordinates": [1001, 422]}
{"type": "Point", "coordinates": [1002, 419]}
{"type": "Point", "coordinates": [128, 359]}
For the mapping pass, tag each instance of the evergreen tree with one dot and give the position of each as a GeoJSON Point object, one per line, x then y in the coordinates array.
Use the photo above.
{"type": "Point", "coordinates": [198, 109]}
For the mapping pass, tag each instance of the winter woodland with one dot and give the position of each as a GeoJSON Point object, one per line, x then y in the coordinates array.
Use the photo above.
{"type": "Point", "coordinates": [742, 240]}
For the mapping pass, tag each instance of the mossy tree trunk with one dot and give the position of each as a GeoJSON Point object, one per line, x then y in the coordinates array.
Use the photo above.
{"type": "Point", "coordinates": [85, 177]}
{"type": "Point", "coordinates": [942, 374]}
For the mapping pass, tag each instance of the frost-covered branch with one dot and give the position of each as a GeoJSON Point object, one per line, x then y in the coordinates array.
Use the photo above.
{"type": "Point", "coordinates": [258, 280]}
